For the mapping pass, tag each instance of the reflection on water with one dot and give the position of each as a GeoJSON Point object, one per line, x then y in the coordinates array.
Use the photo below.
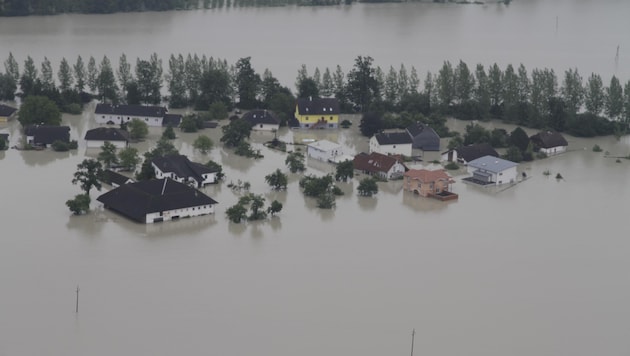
{"type": "Point", "coordinates": [368, 203]}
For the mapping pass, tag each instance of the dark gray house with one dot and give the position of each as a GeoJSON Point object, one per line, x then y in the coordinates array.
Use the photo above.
{"type": "Point", "coordinates": [424, 137]}
{"type": "Point", "coordinates": [44, 135]}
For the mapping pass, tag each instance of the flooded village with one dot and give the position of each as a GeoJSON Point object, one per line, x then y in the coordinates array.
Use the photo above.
{"type": "Point", "coordinates": [535, 265]}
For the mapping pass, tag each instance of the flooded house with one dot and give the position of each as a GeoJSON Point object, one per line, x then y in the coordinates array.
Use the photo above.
{"type": "Point", "coordinates": [379, 165]}
{"type": "Point", "coordinates": [96, 138]}
{"type": "Point", "coordinates": [489, 170]}
{"type": "Point", "coordinates": [427, 183]}
{"type": "Point", "coordinates": [423, 137]}
{"type": "Point", "coordinates": [465, 154]}
{"type": "Point", "coordinates": [391, 143]}
{"type": "Point", "coordinates": [550, 143]}
{"type": "Point", "coordinates": [45, 135]}
{"type": "Point", "coordinates": [317, 113]}
{"type": "Point", "coordinates": [183, 170]}
{"type": "Point", "coordinates": [262, 120]}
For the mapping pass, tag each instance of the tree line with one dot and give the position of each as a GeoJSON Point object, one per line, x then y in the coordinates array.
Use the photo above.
{"type": "Point", "coordinates": [394, 97]}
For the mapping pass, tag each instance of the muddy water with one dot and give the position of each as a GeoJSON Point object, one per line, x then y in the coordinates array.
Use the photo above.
{"type": "Point", "coordinates": [540, 268]}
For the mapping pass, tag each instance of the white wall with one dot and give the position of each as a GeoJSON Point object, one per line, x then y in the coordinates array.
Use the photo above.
{"type": "Point", "coordinates": [404, 149]}
{"type": "Point", "coordinates": [100, 143]}
{"type": "Point", "coordinates": [554, 150]}
{"type": "Point", "coordinates": [181, 213]}
{"type": "Point", "coordinates": [265, 127]}
{"type": "Point", "coordinates": [117, 119]}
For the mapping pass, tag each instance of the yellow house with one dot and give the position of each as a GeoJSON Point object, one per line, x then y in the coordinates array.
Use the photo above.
{"type": "Point", "coordinates": [317, 113]}
{"type": "Point", "coordinates": [6, 112]}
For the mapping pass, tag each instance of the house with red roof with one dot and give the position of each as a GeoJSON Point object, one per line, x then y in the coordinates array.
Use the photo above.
{"type": "Point", "coordinates": [434, 184]}
{"type": "Point", "coordinates": [379, 165]}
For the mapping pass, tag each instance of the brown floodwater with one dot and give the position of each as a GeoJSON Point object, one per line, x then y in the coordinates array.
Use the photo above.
{"type": "Point", "coordinates": [540, 268]}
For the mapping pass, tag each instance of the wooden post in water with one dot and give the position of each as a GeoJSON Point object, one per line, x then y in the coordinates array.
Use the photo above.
{"type": "Point", "coordinates": [76, 309]}
{"type": "Point", "coordinates": [413, 335]}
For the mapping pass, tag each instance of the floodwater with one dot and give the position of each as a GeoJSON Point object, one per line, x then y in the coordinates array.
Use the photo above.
{"type": "Point", "coordinates": [536, 269]}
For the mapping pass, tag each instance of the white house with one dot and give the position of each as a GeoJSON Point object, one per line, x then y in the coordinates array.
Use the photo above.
{"type": "Point", "coordinates": [324, 150]}
{"type": "Point", "coordinates": [380, 165]}
{"type": "Point", "coordinates": [465, 154]}
{"type": "Point", "coordinates": [551, 143]}
{"type": "Point", "coordinates": [181, 169]}
{"type": "Point", "coordinates": [118, 114]}
{"type": "Point", "coordinates": [262, 120]}
{"type": "Point", "coordinates": [95, 138]}
{"type": "Point", "coordinates": [492, 170]}
{"type": "Point", "coordinates": [391, 143]}
{"type": "Point", "coordinates": [156, 200]}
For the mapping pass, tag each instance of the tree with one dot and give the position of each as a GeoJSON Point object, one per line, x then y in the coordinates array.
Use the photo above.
{"type": "Point", "coordinates": [106, 82]}
{"type": "Point", "coordinates": [65, 75]}
{"type": "Point", "coordinates": [295, 162]}
{"type": "Point", "coordinates": [308, 88]}
{"type": "Point", "coordinates": [138, 129]}
{"type": "Point", "coordinates": [371, 123]}
{"type": "Point", "coordinates": [614, 99]}
{"type": "Point", "coordinates": [594, 96]}
{"type": "Point", "coordinates": [274, 208]}
{"type": "Point", "coordinates": [481, 93]}
{"type": "Point", "coordinates": [176, 79]}
{"type": "Point", "coordinates": [12, 67]}
{"type": "Point", "coordinates": [108, 156]}
{"type": "Point", "coordinates": [391, 87]}
{"type": "Point", "coordinates": [169, 133]}
{"type": "Point", "coordinates": [79, 74]}
{"type": "Point", "coordinates": [626, 102]}
{"type": "Point", "coordinates": [362, 86]}
{"type": "Point", "coordinates": [328, 89]}
{"type": "Point", "coordinates": [519, 138]}
{"type": "Point", "coordinates": [215, 87]}
{"type": "Point", "coordinates": [367, 187]}
{"type": "Point", "coordinates": [247, 83]}
{"type": "Point", "coordinates": [92, 75]}
{"type": "Point", "coordinates": [217, 168]}
{"type": "Point", "coordinates": [344, 171]}
{"type": "Point", "coordinates": [572, 90]}
{"type": "Point", "coordinates": [236, 213]}
{"type": "Point", "coordinates": [46, 79]}
{"type": "Point", "coordinates": [495, 85]}
{"type": "Point", "coordinates": [80, 204]}
{"type": "Point", "coordinates": [8, 87]}
{"type": "Point", "coordinates": [464, 82]}
{"type": "Point", "coordinates": [445, 85]}
{"type": "Point", "coordinates": [277, 180]}
{"type": "Point", "coordinates": [29, 76]}
{"type": "Point", "coordinates": [203, 144]}
{"type": "Point", "coordinates": [124, 73]}
{"type": "Point", "coordinates": [403, 81]}
{"type": "Point", "coordinates": [128, 158]}
{"type": "Point", "coordinates": [39, 110]}
{"type": "Point", "coordinates": [87, 175]}
{"type": "Point", "coordinates": [257, 204]}
{"type": "Point", "coordinates": [236, 132]}
{"type": "Point", "coordinates": [513, 154]}
{"type": "Point", "coordinates": [149, 79]}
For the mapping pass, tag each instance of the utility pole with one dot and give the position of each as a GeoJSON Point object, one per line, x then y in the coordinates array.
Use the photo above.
{"type": "Point", "coordinates": [76, 310]}
{"type": "Point", "coordinates": [413, 335]}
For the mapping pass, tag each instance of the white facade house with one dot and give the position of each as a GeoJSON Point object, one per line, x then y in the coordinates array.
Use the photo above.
{"type": "Point", "coordinates": [107, 114]}
{"type": "Point", "coordinates": [97, 137]}
{"type": "Point", "coordinates": [187, 212]}
{"type": "Point", "coordinates": [551, 143]}
{"type": "Point", "coordinates": [324, 150]}
{"type": "Point", "coordinates": [493, 170]}
{"type": "Point", "coordinates": [179, 168]}
{"type": "Point", "coordinates": [262, 120]}
{"type": "Point", "coordinates": [393, 143]}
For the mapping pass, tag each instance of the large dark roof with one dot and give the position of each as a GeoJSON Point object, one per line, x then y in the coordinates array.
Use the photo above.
{"type": "Point", "coordinates": [256, 117]}
{"type": "Point", "coordinates": [393, 138]}
{"type": "Point", "coordinates": [6, 111]}
{"type": "Point", "coordinates": [474, 151]}
{"type": "Point", "coordinates": [374, 162]}
{"type": "Point", "coordinates": [172, 120]}
{"type": "Point", "coordinates": [548, 139]}
{"type": "Point", "coordinates": [424, 137]}
{"type": "Point", "coordinates": [46, 134]}
{"type": "Point", "coordinates": [136, 200]}
{"type": "Point", "coordinates": [318, 106]}
{"type": "Point", "coordinates": [130, 110]}
{"type": "Point", "coordinates": [107, 134]}
{"type": "Point", "coordinates": [110, 177]}
{"type": "Point", "coordinates": [182, 167]}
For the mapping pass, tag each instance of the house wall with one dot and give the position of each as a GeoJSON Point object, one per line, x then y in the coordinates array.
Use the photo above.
{"type": "Point", "coordinates": [179, 213]}
{"type": "Point", "coordinates": [426, 141]}
{"type": "Point", "coordinates": [554, 150]}
{"type": "Point", "coordinates": [507, 176]}
{"type": "Point", "coordinates": [425, 189]}
{"type": "Point", "coordinates": [100, 143]}
{"type": "Point", "coordinates": [209, 178]}
{"type": "Point", "coordinates": [396, 171]}
{"type": "Point", "coordinates": [307, 121]}
{"type": "Point", "coordinates": [265, 127]}
{"type": "Point", "coordinates": [118, 119]}
{"type": "Point", "coordinates": [450, 154]}
{"type": "Point", "coordinates": [404, 149]}
{"type": "Point", "coordinates": [322, 155]}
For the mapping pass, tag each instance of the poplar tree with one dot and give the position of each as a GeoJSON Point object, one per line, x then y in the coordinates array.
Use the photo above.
{"type": "Point", "coordinates": [79, 74]}
{"type": "Point", "coordinates": [92, 75]}
{"type": "Point", "coordinates": [12, 68]}
{"type": "Point", "coordinates": [65, 75]}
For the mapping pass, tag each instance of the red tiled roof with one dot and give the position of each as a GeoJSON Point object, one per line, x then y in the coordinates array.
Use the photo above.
{"type": "Point", "coordinates": [374, 162]}
{"type": "Point", "coordinates": [427, 176]}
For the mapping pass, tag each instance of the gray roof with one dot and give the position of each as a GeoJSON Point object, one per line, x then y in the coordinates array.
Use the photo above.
{"type": "Point", "coordinates": [476, 150]}
{"type": "Point", "coordinates": [549, 139]}
{"type": "Point", "coordinates": [393, 138]}
{"type": "Point", "coordinates": [136, 200]}
{"type": "Point", "coordinates": [130, 110]}
{"type": "Point", "coordinates": [256, 117]}
{"type": "Point", "coordinates": [6, 110]}
{"type": "Point", "coordinates": [107, 134]}
{"type": "Point", "coordinates": [182, 167]}
{"type": "Point", "coordinates": [47, 134]}
{"type": "Point", "coordinates": [172, 120]}
{"type": "Point", "coordinates": [492, 164]}
{"type": "Point", "coordinates": [424, 137]}
{"type": "Point", "coordinates": [318, 106]}
{"type": "Point", "coordinates": [324, 145]}
{"type": "Point", "coordinates": [110, 177]}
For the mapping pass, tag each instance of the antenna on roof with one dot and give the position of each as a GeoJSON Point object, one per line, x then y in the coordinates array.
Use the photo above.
{"type": "Point", "coordinates": [164, 186]}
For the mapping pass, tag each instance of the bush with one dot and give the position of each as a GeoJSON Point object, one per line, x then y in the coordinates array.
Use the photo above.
{"type": "Point", "coordinates": [80, 204]}
{"type": "Point", "coordinates": [345, 124]}
{"type": "Point", "coordinates": [73, 109]}
{"type": "Point", "coordinates": [60, 146]}
{"type": "Point", "coordinates": [541, 155]}
{"type": "Point", "coordinates": [596, 148]}
{"type": "Point", "coordinates": [451, 166]}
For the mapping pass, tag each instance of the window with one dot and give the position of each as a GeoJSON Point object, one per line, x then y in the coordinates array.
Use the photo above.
{"type": "Point", "coordinates": [261, 126]}
{"type": "Point", "coordinates": [331, 125]}
{"type": "Point", "coordinates": [331, 118]}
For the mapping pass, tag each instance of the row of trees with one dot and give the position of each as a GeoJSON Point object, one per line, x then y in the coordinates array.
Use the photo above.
{"type": "Point", "coordinates": [538, 99]}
